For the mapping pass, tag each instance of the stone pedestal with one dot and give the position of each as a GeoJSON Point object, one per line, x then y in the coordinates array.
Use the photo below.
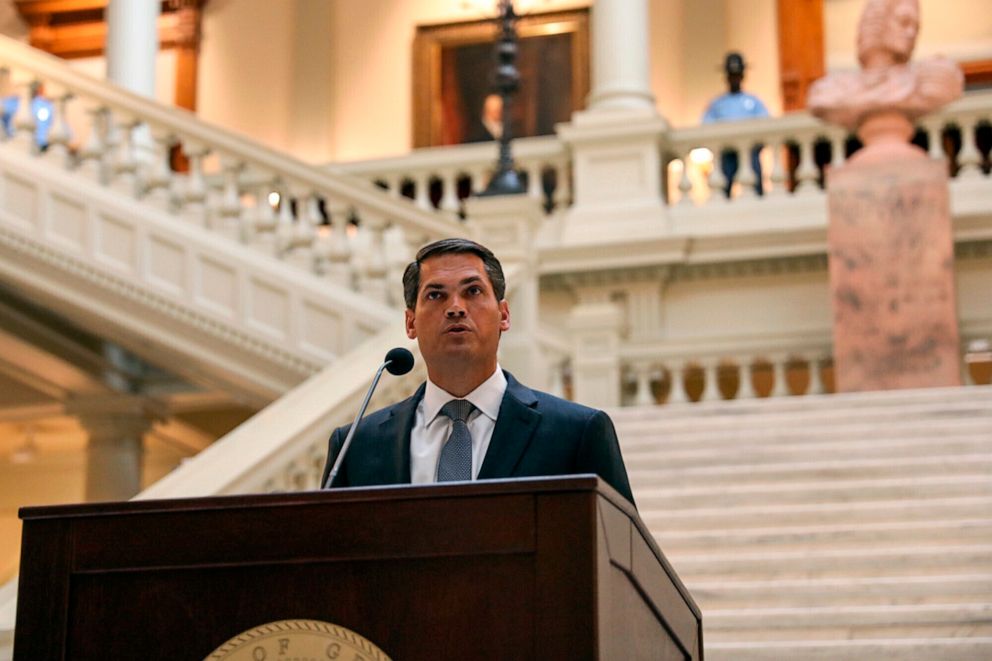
{"type": "Point", "coordinates": [595, 326]}
{"type": "Point", "coordinates": [892, 275]}
{"type": "Point", "coordinates": [506, 224]}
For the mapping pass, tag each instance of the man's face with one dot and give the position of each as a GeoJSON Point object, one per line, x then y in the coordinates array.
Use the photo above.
{"type": "Point", "coordinates": [457, 320]}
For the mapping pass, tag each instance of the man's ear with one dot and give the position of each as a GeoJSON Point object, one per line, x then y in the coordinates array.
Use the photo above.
{"type": "Point", "coordinates": [504, 315]}
{"type": "Point", "coordinates": [409, 317]}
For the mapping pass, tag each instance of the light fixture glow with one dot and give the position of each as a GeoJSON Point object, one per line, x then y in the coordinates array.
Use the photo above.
{"type": "Point", "coordinates": [274, 198]}
{"type": "Point", "coordinates": [701, 156]}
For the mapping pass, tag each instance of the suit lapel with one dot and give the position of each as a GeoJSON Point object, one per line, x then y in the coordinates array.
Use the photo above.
{"type": "Point", "coordinates": [396, 428]}
{"type": "Point", "coordinates": [515, 426]}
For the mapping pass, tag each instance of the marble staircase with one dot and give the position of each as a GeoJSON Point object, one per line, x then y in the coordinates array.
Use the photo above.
{"type": "Point", "coordinates": [832, 527]}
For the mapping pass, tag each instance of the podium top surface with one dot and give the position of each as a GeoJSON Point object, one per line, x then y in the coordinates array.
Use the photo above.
{"type": "Point", "coordinates": [536, 485]}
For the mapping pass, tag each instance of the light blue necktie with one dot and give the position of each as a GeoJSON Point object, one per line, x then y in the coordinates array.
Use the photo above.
{"type": "Point", "coordinates": [455, 462]}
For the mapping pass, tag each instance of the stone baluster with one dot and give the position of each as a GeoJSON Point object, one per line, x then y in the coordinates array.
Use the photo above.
{"type": "Point", "coordinates": [685, 183]}
{"type": "Point", "coordinates": [122, 162]}
{"type": "Point", "coordinates": [716, 180]}
{"type": "Point", "coordinates": [966, 378]}
{"type": "Point", "coordinates": [816, 386]}
{"type": "Point", "coordinates": [562, 196]}
{"type": "Point", "coordinates": [229, 210]}
{"type": "Point", "coordinates": [780, 385]}
{"type": "Point", "coordinates": [449, 191]}
{"type": "Point", "coordinates": [394, 182]}
{"type": "Point", "coordinates": [935, 139]}
{"type": "Point", "coordinates": [263, 221]}
{"type": "Point", "coordinates": [285, 222]}
{"type": "Point", "coordinates": [676, 375]}
{"type": "Point", "coordinates": [556, 379]}
{"type": "Point", "coordinates": [61, 134]}
{"type": "Point", "coordinates": [338, 252]}
{"type": "Point", "coordinates": [479, 177]}
{"type": "Point", "coordinates": [746, 176]}
{"type": "Point", "coordinates": [193, 198]}
{"type": "Point", "coordinates": [24, 123]}
{"type": "Point", "coordinates": [91, 155]}
{"type": "Point", "coordinates": [374, 282]}
{"type": "Point", "coordinates": [711, 385]}
{"type": "Point", "coordinates": [302, 249]}
{"type": "Point", "coordinates": [969, 159]}
{"type": "Point", "coordinates": [535, 187]}
{"type": "Point", "coordinates": [807, 174]}
{"type": "Point", "coordinates": [745, 384]}
{"type": "Point", "coordinates": [422, 195]}
{"type": "Point", "coordinates": [643, 395]}
{"type": "Point", "coordinates": [838, 140]}
{"type": "Point", "coordinates": [155, 177]}
{"type": "Point", "coordinates": [780, 180]}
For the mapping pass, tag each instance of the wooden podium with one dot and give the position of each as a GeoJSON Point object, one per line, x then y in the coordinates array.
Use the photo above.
{"type": "Point", "coordinates": [510, 569]}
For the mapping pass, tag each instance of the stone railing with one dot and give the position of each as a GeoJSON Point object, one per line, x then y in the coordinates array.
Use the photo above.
{"type": "Point", "coordinates": [442, 177]}
{"type": "Point", "coordinates": [739, 369]}
{"type": "Point", "coordinates": [339, 227]}
{"type": "Point", "coordinates": [734, 368]}
{"type": "Point", "coordinates": [794, 152]}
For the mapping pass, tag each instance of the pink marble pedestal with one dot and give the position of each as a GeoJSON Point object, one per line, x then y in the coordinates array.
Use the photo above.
{"type": "Point", "coordinates": [892, 275]}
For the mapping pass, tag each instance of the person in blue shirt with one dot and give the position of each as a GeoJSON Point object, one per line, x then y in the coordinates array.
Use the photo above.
{"type": "Point", "coordinates": [41, 108]}
{"type": "Point", "coordinates": [736, 104]}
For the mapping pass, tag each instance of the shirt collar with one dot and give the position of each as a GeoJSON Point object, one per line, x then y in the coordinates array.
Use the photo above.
{"type": "Point", "coordinates": [487, 396]}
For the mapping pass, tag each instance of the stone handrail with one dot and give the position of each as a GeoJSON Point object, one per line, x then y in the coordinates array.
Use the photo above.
{"type": "Point", "coordinates": [545, 160]}
{"type": "Point", "coordinates": [335, 225]}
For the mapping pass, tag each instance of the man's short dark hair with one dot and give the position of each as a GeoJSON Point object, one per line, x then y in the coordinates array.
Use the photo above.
{"type": "Point", "coordinates": [411, 276]}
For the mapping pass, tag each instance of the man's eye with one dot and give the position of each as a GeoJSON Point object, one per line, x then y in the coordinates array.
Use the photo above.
{"type": "Point", "coordinates": [432, 295]}
{"type": "Point", "coordinates": [475, 290]}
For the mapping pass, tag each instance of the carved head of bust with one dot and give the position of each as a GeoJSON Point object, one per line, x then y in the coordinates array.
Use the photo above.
{"type": "Point", "coordinates": [887, 32]}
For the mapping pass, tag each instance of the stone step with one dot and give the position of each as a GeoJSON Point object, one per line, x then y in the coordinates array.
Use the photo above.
{"type": "Point", "coordinates": [939, 588]}
{"type": "Point", "coordinates": [877, 649]}
{"type": "Point", "coordinates": [708, 495]}
{"type": "Point", "coordinates": [824, 563]}
{"type": "Point", "coordinates": [799, 471]}
{"type": "Point", "coordinates": [825, 442]}
{"type": "Point", "coordinates": [923, 509]}
{"type": "Point", "coordinates": [846, 621]}
{"type": "Point", "coordinates": [761, 433]}
{"type": "Point", "coordinates": [950, 532]}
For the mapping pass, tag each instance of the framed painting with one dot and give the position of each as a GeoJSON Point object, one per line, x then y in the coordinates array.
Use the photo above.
{"type": "Point", "coordinates": [453, 64]}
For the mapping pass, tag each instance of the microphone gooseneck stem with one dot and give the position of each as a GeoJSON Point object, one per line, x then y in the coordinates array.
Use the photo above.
{"type": "Point", "coordinates": [354, 425]}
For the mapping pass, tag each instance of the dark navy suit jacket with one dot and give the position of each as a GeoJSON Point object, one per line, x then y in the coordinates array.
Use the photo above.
{"type": "Point", "coordinates": [536, 434]}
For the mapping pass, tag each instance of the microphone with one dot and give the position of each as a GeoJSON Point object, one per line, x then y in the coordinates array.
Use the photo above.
{"type": "Point", "coordinates": [398, 362]}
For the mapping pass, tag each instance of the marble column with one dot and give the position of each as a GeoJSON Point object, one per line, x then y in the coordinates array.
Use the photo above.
{"type": "Point", "coordinates": [615, 142]}
{"type": "Point", "coordinates": [116, 426]}
{"type": "Point", "coordinates": [620, 59]}
{"type": "Point", "coordinates": [132, 44]}
{"type": "Point", "coordinates": [132, 47]}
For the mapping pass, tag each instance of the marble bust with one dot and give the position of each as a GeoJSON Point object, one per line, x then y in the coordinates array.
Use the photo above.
{"type": "Point", "coordinates": [882, 100]}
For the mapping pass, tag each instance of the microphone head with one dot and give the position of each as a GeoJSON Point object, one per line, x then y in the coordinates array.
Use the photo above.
{"type": "Point", "coordinates": [399, 361]}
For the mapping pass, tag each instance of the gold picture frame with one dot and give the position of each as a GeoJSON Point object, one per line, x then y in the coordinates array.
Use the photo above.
{"type": "Point", "coordinates": [452, 69]}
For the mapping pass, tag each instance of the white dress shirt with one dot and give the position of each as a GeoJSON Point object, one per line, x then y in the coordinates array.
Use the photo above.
{"type": "Point", "coordinates": [431, 429]}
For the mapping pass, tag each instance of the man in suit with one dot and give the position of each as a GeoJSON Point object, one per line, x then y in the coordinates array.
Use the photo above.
{"type": "Point", "coordinates": [471, 420]}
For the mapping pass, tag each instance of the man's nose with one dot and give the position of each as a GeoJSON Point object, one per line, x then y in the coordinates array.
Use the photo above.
{"type": "Point", "coordinates": [455, 308]}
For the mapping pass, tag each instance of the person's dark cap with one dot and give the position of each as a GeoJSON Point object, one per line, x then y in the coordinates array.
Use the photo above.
{"type": "Point", "coordinates": [734, 63]}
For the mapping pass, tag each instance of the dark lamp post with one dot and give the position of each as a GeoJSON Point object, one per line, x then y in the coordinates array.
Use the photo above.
{"type": "Point", "coordinates": [506, 181]}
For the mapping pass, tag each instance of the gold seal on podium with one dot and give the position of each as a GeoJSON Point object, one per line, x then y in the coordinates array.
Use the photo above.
{"type": "Point", "coordinates": [298, 640]}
